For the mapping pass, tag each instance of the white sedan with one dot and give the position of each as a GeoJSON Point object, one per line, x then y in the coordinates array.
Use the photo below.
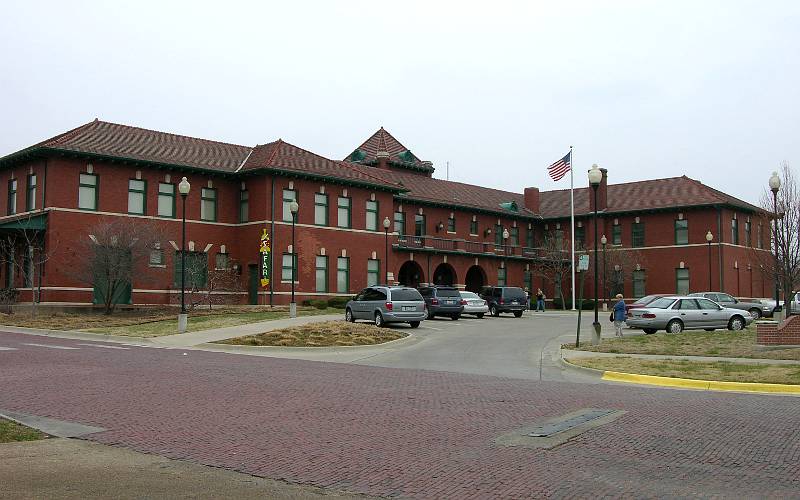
{"type": "Point", "coordinates": [473, 304]}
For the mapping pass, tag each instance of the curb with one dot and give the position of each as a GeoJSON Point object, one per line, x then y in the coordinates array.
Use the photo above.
{"type": "Point", "coordinates": [687, 383]}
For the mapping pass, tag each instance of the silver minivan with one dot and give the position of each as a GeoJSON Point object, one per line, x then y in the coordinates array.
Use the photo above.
{"type": "Point", "coordinates": [387, 304]}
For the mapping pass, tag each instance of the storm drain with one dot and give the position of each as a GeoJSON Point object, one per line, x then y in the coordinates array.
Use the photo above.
{"type": "Point", "coordinates": [569, 423]}
{"type": "Point", "coordinates": [557, 430]}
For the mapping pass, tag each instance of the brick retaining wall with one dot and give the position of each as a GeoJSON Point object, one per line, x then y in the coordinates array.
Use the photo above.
{"type": "Point", "coordinates": [785, 333]}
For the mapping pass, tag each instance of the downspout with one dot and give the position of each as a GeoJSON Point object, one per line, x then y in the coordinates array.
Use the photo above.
{"type": "Point", "coordinates": [719, 244]}
{"type": "Point", "coordinates": [272, 236]}
{"type": "Point", "coordinates": [45, 235]}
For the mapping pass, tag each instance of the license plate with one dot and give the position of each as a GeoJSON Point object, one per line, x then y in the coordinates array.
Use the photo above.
{"type": "Point", "coordinates": [515, 302]}
{"type": "Point", "coordinates": [409, 308]}
{"type": "Point", "coordinates": [449, 302]}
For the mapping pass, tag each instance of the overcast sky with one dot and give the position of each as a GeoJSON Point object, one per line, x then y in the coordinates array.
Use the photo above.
{"type": "Point", "coordinates": [498, 89]}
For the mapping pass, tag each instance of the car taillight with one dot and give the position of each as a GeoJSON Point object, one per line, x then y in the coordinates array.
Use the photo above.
{"type": "Point", "coordinates": [463, 302]}
{"type": "Point", "coordinates": [648, 315]}
{"type": "Point", "coordinates": [500, 301]}
{"type": "Point", "coordinates": [434, 302]}
{"type": "Point", "coordinates": [389, 306]}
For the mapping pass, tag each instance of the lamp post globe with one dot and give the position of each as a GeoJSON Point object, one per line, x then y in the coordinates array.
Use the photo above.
{"type": "Point", "coordinates": [293, 208]}
{"type": "Point", "coordinates": [709, 239]}
{"type": "Point", "coordinates": [774, 186]}
{"type": "Point", "coordinates": [386, 224]}
{"type": "Point", "coordinates": [183, 188]}
{"type": "Point", "coordinates": [505, 239]}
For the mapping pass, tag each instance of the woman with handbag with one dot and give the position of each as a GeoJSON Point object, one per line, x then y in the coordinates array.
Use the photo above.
{"type": "Point", "coordinates": [618, 315]}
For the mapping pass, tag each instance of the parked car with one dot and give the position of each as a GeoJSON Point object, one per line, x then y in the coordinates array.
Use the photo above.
{"type": "Point", "coordinates": [387, 304]}
{"type": "Point", "coordinates": [642, 302]}
{"type": "Point", "coordinates": [505, 299]}
{"type": "Point", "coordinates": [675, 314]}
{"type": "Point", "coordinates": [474, 304]}
{"type": "Point", "coordinates": [756, 309]}
{"type": "Point", "coordinates": [443, 301]}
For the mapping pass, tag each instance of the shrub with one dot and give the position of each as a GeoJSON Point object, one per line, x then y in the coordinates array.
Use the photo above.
{"type": "Point", "coordinates": [587, 305]}
{"type": "Point", "coordinates": [338, 302]}
{"type": "Point", "coordinates": [318, 303]}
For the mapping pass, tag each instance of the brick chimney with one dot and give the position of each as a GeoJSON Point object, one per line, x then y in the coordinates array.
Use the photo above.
{"type": "Point", "coordinates": [383, 159]}
{"type": "Point", "coordinates": [602, 193]}
{"type": "Point", "coordinates": [532, 199]}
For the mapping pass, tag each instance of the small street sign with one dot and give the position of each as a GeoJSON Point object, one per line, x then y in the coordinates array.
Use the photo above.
{"type": "Point", "coordinates": [583, 262]}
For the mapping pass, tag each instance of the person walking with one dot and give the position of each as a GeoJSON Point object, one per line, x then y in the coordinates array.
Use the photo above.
{"type": "Point", "coordinates": [619, 315]}
{"type": "Point", "coordinates": [539, 300]}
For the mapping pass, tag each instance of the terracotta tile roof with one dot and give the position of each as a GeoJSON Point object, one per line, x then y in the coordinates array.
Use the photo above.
{"type": "Point", "coordinates": [424, 188]}
{"type": "Point", "coordinates": [123, 141]}
{"type": "Point", "coordinates": [641, 195]}
{"type": "Point", "coordinates": [283, 156]}
{"type": "Point", "coordinates": [367, 153]}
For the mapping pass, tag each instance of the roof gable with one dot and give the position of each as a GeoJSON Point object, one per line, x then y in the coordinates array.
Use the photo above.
{"type": "Point", "coordinates": [384, 142]}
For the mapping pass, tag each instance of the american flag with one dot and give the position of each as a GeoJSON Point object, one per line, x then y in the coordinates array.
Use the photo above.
{"type": "Point", "coordinates": [560, 168]}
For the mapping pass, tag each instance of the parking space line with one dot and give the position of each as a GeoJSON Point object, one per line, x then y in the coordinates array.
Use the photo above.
{"type": "Point", "coordinates": [49, 346]}
{"type": "Point", "coordinates": [106, 346]}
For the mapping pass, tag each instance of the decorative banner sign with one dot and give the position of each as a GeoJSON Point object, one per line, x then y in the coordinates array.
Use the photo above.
{"type": "Point", "coordinates": [265, 250]}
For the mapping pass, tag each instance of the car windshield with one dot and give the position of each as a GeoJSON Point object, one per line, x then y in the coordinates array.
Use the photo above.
{"type": "Point", "coordinates": [405, 294]}
{"type": "Point", "coordinates": [469, 295]}
{"type": "Point", "coordinates": [646, 299]}
{"type": "Point", "coordinates": [662, 303]}
{"type": "Point", "coordinates": [448, 292]}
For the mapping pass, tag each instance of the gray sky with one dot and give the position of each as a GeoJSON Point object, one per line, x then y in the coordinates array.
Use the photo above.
{"type": "Point", "coordinates": [498, 89]}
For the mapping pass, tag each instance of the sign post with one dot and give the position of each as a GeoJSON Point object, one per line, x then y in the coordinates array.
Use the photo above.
{"type": "Point", "coordinates": [583, 266]}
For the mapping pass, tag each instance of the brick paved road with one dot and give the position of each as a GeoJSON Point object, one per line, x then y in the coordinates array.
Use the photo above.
{"type": "Point", "coordinates": [406, 433]}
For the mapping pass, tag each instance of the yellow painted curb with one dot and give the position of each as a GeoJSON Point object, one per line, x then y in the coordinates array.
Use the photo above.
{"type": "Point", "coordinates": [709, 385]}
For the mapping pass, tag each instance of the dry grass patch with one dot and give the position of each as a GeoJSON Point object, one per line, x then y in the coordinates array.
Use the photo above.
{"type": "Point", "coordinates": [11, 432]}
{"type": "Point", "coordinates": [324, 334]}
{"type": "Point", "coordinates": [720, 370]}
{"type": "Point", "coordinates": [721, 343]}
{"type": "Point", "coordinates": [154, 322]}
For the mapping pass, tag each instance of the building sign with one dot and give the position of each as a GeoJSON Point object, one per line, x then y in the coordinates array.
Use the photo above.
{"type": "Point", "coordinates": [265, 250]}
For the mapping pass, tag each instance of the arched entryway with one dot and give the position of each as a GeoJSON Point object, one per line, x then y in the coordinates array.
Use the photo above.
{"type": "Point", "coordinates": [444, 275]}
{"type": "Point", "coordinates": [475, 279]}
{"type": "Point", "coordinates": [410, 274]}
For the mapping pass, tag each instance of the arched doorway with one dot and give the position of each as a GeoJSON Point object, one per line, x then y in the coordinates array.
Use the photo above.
{"type": "Point", "coordinates": [475, 279]}
{"type": "Point", "coordinates": [444, 275]}
{"type": "Point", "coordinates": [410, 274]}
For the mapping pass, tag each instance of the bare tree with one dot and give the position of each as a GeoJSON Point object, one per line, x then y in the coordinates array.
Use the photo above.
{"type": "Point", "coordinates": [554, 265]}
{"type": "Point", "coordinates": [785, 233]}
{"type": "Point", "coordinates": [617, 267]}
{"type": "Point", "coordinates": [113, 254]}
{"type": "Point", "coordinates": [223, 287]}
{"type": "Point", "coordinates": [206, 286]}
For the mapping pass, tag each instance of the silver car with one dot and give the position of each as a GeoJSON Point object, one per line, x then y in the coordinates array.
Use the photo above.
{"type": "Point", "coordinates": [675, 314]}
{"type": "Point", "coordinates": [756, 309]}
{"type": "Point", "coordinates": [474, 304]}
{"type": "Point", "coordinates": [387, 304]}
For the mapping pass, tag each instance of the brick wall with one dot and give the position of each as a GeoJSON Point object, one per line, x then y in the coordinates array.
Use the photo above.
{"type": "Point", "coordinates": [785, 333]}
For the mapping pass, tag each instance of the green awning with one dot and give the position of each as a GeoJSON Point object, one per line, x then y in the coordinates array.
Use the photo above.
{"type": "Point", "coordinates": [30, 223]}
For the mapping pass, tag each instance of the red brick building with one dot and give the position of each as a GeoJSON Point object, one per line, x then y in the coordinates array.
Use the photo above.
{"type": "Point", "coordinates": [440, 231]}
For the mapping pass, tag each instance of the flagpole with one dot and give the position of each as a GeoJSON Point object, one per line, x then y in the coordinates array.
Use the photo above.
{"type": "Point", "coordinates": [572, 222]}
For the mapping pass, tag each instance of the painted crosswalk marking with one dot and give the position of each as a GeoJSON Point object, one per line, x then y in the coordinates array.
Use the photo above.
{"type": "Point", "coordinates": [8, 348]}
{"type": "Point", "coordinates": [50, 346]}
{"type": "Point", "coordinates": [105, 346]}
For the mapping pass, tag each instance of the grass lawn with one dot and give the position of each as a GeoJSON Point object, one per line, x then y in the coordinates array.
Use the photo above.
{"type": "Point", "coordinates": [720, 370]}
{"type": "Point", "coordinates": [12, 431]}
{"type": "Point", "coordinates": [325, 334]}
{"type": "Point", "coordinates": [155, 322]}
{"type": "Point", "coordinates": [722, 343]}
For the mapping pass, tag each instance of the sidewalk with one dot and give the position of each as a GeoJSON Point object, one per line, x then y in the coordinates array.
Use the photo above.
{"type": "Point", "coordinates": [589, 354]}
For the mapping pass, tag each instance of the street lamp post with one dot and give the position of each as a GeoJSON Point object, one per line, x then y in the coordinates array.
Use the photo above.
{"type": "Point", "coordinates": [386, 223]}
{"type": "Point", "coordinates": [709, 239]}
{"type": "Point", "coordinates": [505, 246]}
{"type": "Point", "coordinates": [183, 317]}
{"type": "Point", "coordinates": [603, 241]}
{"type": "Point", "coordinates": [293, 207]}
{"type": "Point", "coordinates": [774, 186]}
{"type": "Point", "coordinates": [595, 177]}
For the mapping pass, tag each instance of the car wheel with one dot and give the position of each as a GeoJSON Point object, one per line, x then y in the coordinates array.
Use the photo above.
{"type": "Point", "coordinates": [414, 324]}
{"type": "Point", "coordinates": [755, 313]}
{"type": "Point", "coordinates": [649, 331]}
{"type": "Point", "coordinates": [518, 314]}
{"type": "Point", "coordinates": [493, 311]}
{"type": "Point", "coordinates": [675, 326]}
{"type": "Point", "coordinates": [348, 316]}
{"type": "Point", "coordinates": [736, 323]}
{"type": "Point", "coordinates": [455, 317]}
{"type": "Point", "coordinates": [379, 320]}
{"type": "Point", "coordinates": [479, 315]}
